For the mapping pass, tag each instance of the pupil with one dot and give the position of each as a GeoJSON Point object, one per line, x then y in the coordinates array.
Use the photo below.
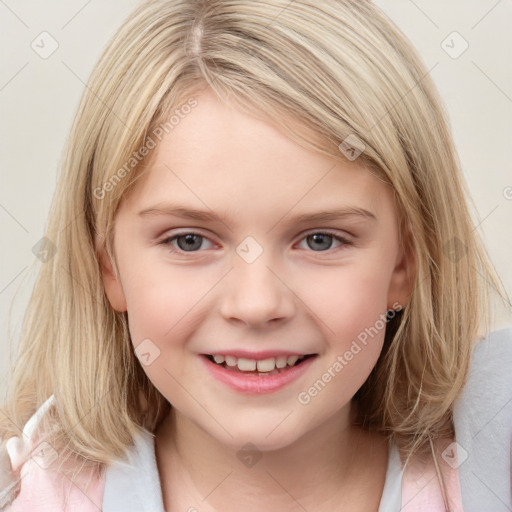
{"type": "Point", "coordinates": [317, 238]}
{"type": "Point", "coordinates": [190, 239]}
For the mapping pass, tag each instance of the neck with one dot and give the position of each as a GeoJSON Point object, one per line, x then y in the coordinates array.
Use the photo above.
{"type": "Point", "coordinates": [319, 471]}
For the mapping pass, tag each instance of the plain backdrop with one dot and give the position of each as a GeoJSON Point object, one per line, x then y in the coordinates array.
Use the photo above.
{"type": "Point", "coordinates": [465, 43]}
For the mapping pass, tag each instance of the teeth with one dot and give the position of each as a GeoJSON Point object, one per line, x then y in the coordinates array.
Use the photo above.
{"type": "Point", "coordinates": [246, 365]}
{"type": "Point", "coordinates": [266, 365]}
{"type": "Point", "coordinates": [231, 361]}
{"type": "Point", "coordinates": [281, 361]}
{"type": "Point", "coordinates": [263, 365]}
{"type": "Point", "coordinates": [292, 360]}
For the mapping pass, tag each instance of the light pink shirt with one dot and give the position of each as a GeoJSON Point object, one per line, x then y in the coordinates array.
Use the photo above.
{"type": "Point", "coordinates": [45, 489]}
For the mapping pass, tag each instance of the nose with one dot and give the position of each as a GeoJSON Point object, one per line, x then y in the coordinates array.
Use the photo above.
{"type": "Point", "coordinates": [256, 295]}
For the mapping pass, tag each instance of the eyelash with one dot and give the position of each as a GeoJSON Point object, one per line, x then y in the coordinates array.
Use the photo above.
{"type": "Point", "coordinates": [168, 241]}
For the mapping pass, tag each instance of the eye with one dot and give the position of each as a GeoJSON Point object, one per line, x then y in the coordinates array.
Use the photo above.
{"type": "Point", "coordinates": [321, 241]}
{"type": "Point", "coordinates": [186, 242]}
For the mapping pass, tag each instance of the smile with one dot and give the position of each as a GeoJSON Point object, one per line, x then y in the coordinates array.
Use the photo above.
{"type": "Point", "coordinates": [257, 376]}
{"type": "Point", "coordinates": [267, 366]}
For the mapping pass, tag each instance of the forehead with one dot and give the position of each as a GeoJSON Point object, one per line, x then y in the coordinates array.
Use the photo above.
{"type": "Point", "coordinates": [222, 158]}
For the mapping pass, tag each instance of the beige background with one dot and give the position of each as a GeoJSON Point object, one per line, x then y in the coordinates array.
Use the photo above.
{"type": "Point", "coordinates": [38, 98]}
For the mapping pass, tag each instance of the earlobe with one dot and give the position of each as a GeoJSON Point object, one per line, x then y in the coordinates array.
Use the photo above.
{"type": "Point", "coordinates": [111, 282]}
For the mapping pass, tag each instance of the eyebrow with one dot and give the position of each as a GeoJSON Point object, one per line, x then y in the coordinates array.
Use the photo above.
{"type": "Point", "coordinates": [210, 216]}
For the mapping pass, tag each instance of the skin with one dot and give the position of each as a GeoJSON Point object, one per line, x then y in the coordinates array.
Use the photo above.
{"type": "Point", "coordinates": [294, 296]}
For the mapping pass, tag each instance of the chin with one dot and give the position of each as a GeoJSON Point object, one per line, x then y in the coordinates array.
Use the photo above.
{"type": "Point", "coordinates": [267, 432]}
{"type": "Point", "coordinates": [260, 440]}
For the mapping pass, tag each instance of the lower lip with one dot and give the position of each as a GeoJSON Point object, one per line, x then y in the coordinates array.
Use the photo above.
{"type": "Point", "coordinates": [252, 384]}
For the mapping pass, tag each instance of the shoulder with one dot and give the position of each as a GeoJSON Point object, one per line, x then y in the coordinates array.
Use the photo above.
{"type": "Point", "coordinates": [421, 488]}
{"type": "Point", "coordinates": [483, 425]}
{"type": "Point", "coordinates": [51, 490]}
{"type": "Point", "coordinates": [32, 478]}
{"type": "Point", "coordinates": [475, 466]}
{"type": "Point", "coordinates": [134, 485]}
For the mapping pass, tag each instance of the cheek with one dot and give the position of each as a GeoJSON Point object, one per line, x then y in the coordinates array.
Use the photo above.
{"type": "Point", "coordinates": [351, 304]}
{"type": "Point", "coordinates": [162, 300]}
{"type": "Point", "coordinates": [164, 308]}
{"type": "Point", "coordinates": [364, 301]}
{"type": "Point", "coordinates": [347, 300]}
{"type": "Point", "coordinates": [353, 319]}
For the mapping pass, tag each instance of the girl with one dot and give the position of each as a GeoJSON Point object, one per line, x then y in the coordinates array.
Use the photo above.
{"type": "Point", "coordinates": [192, 345]}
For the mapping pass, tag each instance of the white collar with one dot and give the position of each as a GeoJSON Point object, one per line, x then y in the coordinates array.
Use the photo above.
{"type": "Point", "coordinates": [135, 486]}
{"type": "Point", "coordinates": [391, 500]}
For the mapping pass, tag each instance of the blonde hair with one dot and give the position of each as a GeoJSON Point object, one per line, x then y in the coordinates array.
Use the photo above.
{"type": "Point", "coordinates": [338, 68]}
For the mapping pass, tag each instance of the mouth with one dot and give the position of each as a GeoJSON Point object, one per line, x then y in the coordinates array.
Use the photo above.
{"type": "Point", "coordinates": [257, 374]}
{"type": "Point", "coordinates": [262, 367]}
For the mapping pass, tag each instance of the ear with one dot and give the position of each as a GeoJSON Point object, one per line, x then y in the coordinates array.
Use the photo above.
{"type": "Point", "coordinates": [111, 282]}
{"type": "Point", "coordinates": [402, 279]}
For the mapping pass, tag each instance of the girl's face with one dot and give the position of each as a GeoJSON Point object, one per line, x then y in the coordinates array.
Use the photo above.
{"type": "Point", "coordinates": [241, 245]}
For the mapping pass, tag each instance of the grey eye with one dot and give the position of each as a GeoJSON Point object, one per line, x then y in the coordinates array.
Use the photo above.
{"type": "Point", "coordinates": [191, 242]}
{"type": "Point", "coordinates": [320, 241]}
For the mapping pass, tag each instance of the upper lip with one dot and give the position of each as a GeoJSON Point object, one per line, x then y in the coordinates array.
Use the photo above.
{"type": "Point", "coordinates": [257, 356]}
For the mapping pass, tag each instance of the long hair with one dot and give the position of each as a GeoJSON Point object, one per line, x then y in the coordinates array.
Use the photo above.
{"type": "Point", "coordinates": [339, 69]}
